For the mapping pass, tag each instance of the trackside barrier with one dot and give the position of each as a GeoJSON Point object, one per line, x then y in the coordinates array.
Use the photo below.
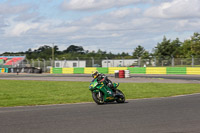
{"type": "Point", "coordinates": [2, 70]}
{"type": "Point", "coordinates": [133, 70]}
{"type": "Point", "coordinates": [102, 69]}
{"type": "Point", "coordinates": [111, 70]}
{"type": "Point", "coordinates": [193, 70]}
{"type": "Point", "coordinates": [68, 70]}
{"type": "Point", "coordinates": [89, 70]}
{"type": "Point", "coordinates": [137, 70]}
{"type": "Point", "coordinates": [79, 70]}
{"type": "Point", "coordinates": [176, 70]}
{"type": "Point", "coordinates": [57, 70]}
{"type": "Point", "coordinates": [156, 70]}
{"type": "Point", "coordinates": [6, 70]}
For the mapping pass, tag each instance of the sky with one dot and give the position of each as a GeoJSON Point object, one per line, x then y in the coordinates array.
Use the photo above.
{"type": "Point", "coordinates": [110, 25]}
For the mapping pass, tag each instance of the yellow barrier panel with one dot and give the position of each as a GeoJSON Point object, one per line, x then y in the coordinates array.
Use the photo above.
{"type": "Point", "coordinates": [51, 70]}
{"type": "Point", "coordinates": [156, 70]}
{"type": "Point", "coordinates": [2, 70]}
{"type": "Point", "coordinates": [89, 70]}
{"type": "Point", "coordinates": [193, 70]}
{"type": "Point", "coordinates": [68, 70]}
{"type": "Point", "coordinates": [111, 70]}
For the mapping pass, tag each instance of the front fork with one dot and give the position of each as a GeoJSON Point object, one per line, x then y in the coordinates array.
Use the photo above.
{"type": "Point", "coordinates": [99, 94]}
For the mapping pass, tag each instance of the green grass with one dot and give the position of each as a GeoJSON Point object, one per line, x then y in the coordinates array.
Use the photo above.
{"type": "Point", "coordinates": [23, 93]}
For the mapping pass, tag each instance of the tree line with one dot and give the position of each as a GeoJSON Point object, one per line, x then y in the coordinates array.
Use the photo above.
{"type": "Point", "coordinates": [165, 50]}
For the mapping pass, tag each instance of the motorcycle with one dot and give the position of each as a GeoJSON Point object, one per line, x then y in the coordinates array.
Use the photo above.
{"type": "Point", "coordinates": [101, 93]}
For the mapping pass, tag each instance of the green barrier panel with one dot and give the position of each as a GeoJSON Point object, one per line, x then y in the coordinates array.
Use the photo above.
{"type": "Point", "coordinates": [137, 70]}
{"type": "Point", "coordinates": [103, 70]}
{"type": "Point", "coordinates": [176, 70]}
{"type": "Point", "coordinates": [0, 70]}
{"type": "Point", "coordinates": [79, 70]}
{"type": "Point", "coordinates": [1, 61]}
{"type": "Point", "coordinates": [6, 70]}
{"type": "Point", "coordinates": [57, 70]}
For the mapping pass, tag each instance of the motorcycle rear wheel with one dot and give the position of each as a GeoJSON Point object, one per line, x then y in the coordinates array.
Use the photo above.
{"type": "Point", "coordinates": [97, 99]}
{"type": "Point", "coordinates": [120, 99]}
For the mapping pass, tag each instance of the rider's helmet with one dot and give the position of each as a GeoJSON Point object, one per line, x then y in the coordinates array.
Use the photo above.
{"type": "Point", "coordinates": [95, 74]}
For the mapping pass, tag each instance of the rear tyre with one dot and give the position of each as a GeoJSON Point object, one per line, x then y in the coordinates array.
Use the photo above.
{"type": "Point", "coordinates": [121, 98]}
{"type": "Point", "coordinates": [98, 99]}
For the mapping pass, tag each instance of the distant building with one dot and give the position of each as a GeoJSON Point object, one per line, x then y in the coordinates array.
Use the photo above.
{"type": "Point", "coordinates": [70, 63]}
{"type": "Point", "coordinates": [119, 62]}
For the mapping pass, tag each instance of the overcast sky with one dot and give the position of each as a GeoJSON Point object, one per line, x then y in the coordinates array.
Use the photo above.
{"type": "Point", "coordinates": [111, 25]}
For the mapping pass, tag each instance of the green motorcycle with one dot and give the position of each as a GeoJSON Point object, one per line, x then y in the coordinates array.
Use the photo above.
{"type": "Point", "coordinates": [101, 93]}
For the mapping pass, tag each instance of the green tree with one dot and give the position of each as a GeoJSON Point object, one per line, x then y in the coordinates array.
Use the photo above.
{"type": "Point", "coordinates": [195, 44]}
{"type": "Point", "coordinates": [166, 48]}
{"type": "Point", "coordinates": [175, 47]}
{"type": "Point", "coordinates": [186, 49]}
{"type": "Point", "coordinates": [138, 52]}
{"type": "Point", "coordinates": [74, 49]}
{"type": "Point", "coordinates": [162, 49]}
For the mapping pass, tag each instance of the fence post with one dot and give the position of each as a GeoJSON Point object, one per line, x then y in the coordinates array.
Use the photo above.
{"type": "Point", "coordinates": [192, 60]}
{"type": "Point", "coordinates": [139, 61]}
{"type": "Point", "coordinates": [123, 61]}
{"type": "Point", "coordinates": [44, 63]}
{"type": "Point", "coordinates": [64, 62]}
{"type": "Point", "coordinates": [78, 61]}
{"type": "Point", "coordinates": [92, 61]}
{"type": "Point", "coordinates": [51, 62]}
{"type": "Point", "coordinates": [33, 65]}
{"type": "Point", "coordinates": [38, 63]}
{"type": "Point", "coordinates": [172, 61]}
{"type": "Point", "coordinates": [107, 61]}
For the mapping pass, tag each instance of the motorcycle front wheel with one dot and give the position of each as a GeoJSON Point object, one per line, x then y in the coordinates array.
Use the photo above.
{"type": "Point", "coordinates": [120, 99]}
{"type": "Point", "coordinates": [98, 98]}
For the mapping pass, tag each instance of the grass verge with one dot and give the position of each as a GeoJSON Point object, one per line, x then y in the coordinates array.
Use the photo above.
{"type": "Point", "coordinates": [23, 93]}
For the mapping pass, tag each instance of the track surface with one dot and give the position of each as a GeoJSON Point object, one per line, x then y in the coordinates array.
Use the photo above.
{"type": "Point", "coordinates": [159, 115]}
{"type": "Point", "coordinates": [137, 78]}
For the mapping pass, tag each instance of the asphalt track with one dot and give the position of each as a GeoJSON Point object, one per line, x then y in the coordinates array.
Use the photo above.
{"type": "Point", "coordinates": [136, 78]}
{"type": "Point", "coordinates": [160, 115]}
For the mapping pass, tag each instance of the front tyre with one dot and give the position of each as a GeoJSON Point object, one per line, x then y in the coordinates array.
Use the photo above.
{"type": "Point", "coordinates": [98, 98]}
{"type": "Point", "coordinates": [121, 98]}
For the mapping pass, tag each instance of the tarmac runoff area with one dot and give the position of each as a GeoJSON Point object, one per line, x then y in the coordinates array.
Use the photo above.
{"type": "Point", "coordinates": [134, 78]}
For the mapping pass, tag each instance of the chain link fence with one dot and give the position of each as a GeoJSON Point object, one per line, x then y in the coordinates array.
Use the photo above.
{"type": "Point", "coordinates": [45, 65]}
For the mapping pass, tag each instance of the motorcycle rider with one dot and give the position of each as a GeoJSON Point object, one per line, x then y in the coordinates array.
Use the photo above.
{"type": "Point", "coordinates": [101, 77]}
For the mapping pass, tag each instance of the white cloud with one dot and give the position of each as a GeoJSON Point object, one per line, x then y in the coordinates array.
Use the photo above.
{"type": "Point", "coordinates": [9, 9]}
{"type": "Point", "coordinates": [124, 12]}
{"type": "Point", "coordinates": [20, 28]}
{"type": "Point", "coordinates": [175, 9]}
{"type": "Point", "coordinates": [96, 4]}
{"type": "Point", "coordinates": [45, 27]}
{"type": "Point", "coordinates": [105, 26]}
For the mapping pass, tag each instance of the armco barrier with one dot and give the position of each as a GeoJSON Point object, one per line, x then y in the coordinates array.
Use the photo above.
{"type": "Point", "coordinates": [156, 70]}
{"type": "Point", "coordinates": [6, 70]}
{"type": "Point", "coordinates": [79, 70]}
{"type": "Point", "coordinates": [57, 70]}
{"type": "Point", "coordinates": [176, 70]}
{"type": "Point", "coordinates": [89, 70]}
{"type": "Point", "coordinates": [133, 70]}
{"type": "Point", "coordinates": [2, 70]}
{"type": "Point", "coordinates": [67, 70]}
{"type": "Point", "coordinates": [137, 70]}
{"type": "Point", "coordinates": [193, 70]}
{"type": "Point", "coordinates": [102, 70]}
